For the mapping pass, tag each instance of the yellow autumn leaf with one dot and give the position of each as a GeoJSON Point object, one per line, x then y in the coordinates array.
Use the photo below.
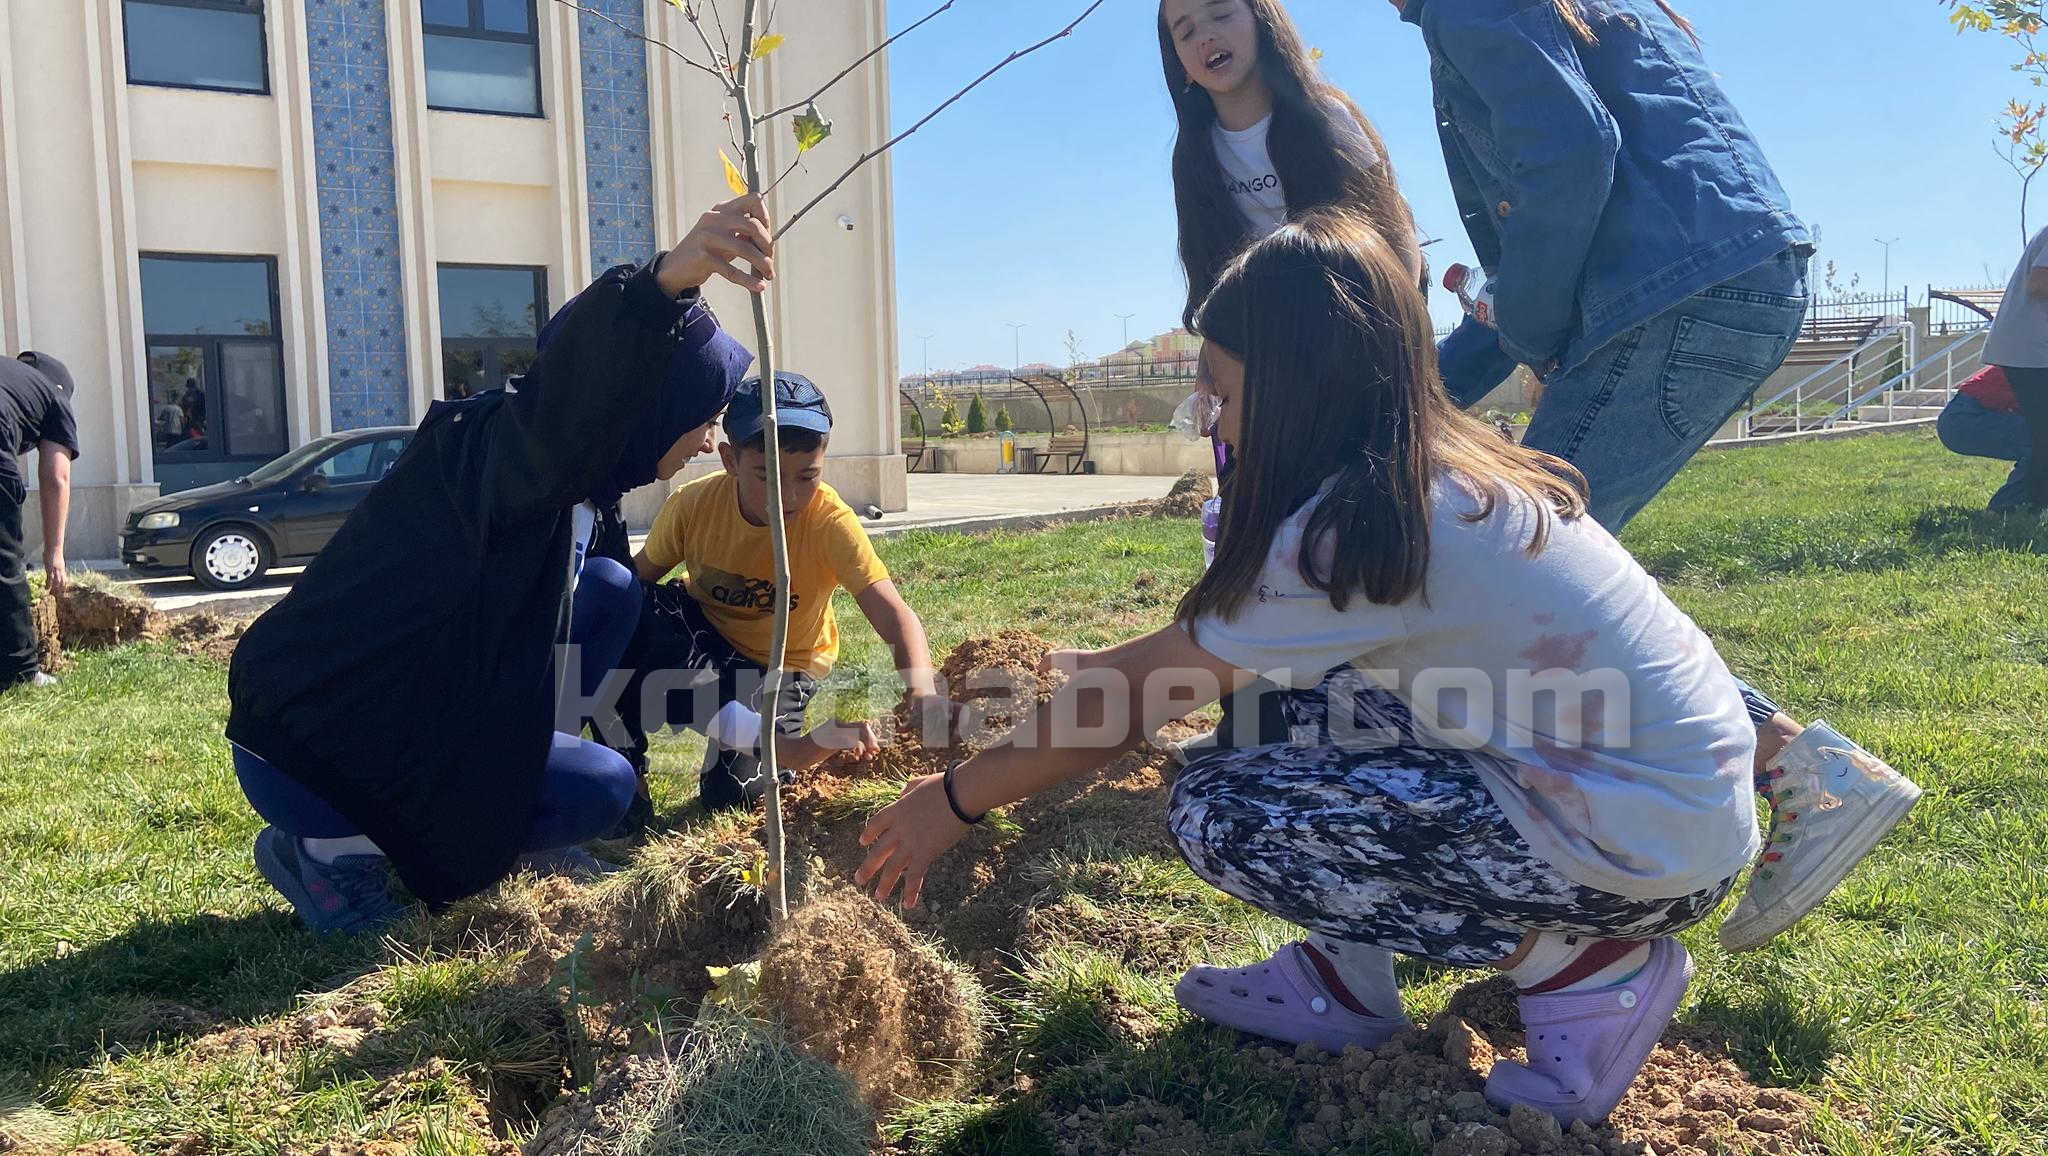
{"type": "Point", "coordinates": [1315, 54]}
{"type": "Point", "coordinates": [767, 44]}
{"type": "Point", "coordinates": [733, 179]}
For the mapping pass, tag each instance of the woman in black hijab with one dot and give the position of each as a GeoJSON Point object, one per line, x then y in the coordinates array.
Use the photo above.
{"type": "Point", "coordinates": [395, 710]}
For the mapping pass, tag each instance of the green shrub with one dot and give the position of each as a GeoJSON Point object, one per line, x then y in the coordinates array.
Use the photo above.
{"type": "Point", "coordinates": [977, 416]}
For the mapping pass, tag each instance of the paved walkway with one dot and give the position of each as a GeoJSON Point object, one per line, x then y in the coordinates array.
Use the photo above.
{"type": "Point", "coordinates": [955, 503]}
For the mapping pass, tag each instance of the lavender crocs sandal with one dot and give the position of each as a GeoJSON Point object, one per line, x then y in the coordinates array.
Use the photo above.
{"type": "Point", "coordinates": [1283, 999]}
{"type": "Point", "coordinates": [1586, 1047]}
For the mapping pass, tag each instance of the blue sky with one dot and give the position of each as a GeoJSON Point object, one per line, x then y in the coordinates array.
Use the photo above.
{"type": "Point", "coordinates": [1044, 197]}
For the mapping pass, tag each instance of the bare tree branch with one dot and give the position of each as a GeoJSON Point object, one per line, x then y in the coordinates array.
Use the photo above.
{"type": "Point", "coordinates": [724, 61]}
{"type": "Point", "coordinates": [664, 45]}
{"type": "Point", "coordinates": [1005, 62]}
{"type": "Point", "coordinates": [848, 70]}
{"type": "Point", "coordinates": [746, 45]}
{"type": "Point", "coordinates": [793, 166]}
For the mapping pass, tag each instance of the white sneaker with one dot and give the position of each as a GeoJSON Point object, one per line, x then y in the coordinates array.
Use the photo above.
{"type": "Point", "coordinates": [1831, 801]}
{"type": "Point", "coordinates": [42, 679]}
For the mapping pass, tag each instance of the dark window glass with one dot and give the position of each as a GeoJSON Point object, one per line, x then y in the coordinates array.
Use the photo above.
{"type": "Point", "coordinates": [197, 44]}
{"type": "Point", "coordinates": [216, 365]}
{"type": "Point", "coordinates": [490, 317]}
{"type": "Point", "coordinates": [482, 56]}
{"type": "Point", "coordinates": [181, 295]}
{"type": "Point", "coordinates": [350, 465]}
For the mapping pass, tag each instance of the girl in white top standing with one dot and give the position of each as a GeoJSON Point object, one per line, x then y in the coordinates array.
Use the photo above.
{"type": "Point", "coordinates": [1263, 137]}
{"type": "Point", "coordinates": [1507, 748]}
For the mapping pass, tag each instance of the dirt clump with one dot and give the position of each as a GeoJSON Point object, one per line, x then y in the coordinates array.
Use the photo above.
{"type": "Point", "coordinates": [49, 639]}
{"type": "Point", "coordinates": [92, 617]}
{"type": "Point", "coordinates": [1004, 663]}
{"type": "Point", "coordinates": [208, 635]}
{"type": "Point", "coordinates": [854, 988]}
{"type": "Point", "coordinates": [1185, 498]}
{"type": "Point", "coordinates": [1690, 1100]}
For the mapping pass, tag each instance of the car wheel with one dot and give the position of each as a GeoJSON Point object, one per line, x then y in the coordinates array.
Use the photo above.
{"type": "Point", "coordinates": [230, 557]}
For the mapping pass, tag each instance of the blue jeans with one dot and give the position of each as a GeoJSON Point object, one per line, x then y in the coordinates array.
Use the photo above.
{"type": "Point", "coordinates": [602, 618]}
{"type": "Point", "coordinates": [1632, 415]}
{"type": "Point", "coordinates": [584, 791]}
{"type": "Point", "coordinates": [1971, 428]}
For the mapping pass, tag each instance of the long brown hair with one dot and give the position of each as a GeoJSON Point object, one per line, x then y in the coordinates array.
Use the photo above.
{"type": "Point", "coordinates": [1319, 160]}
{"type": "Point", "coordinates": [1341, 387]}
{"type": "Point", "coordinates": [1575, 18]}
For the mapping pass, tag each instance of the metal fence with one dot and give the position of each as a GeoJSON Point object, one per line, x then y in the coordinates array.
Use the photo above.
{"type": "Point", "coordinates": [1946, 314]}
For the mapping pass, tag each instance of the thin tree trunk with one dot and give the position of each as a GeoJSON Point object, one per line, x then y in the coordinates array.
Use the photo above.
{"type": "Point", "coordinates": [764, 348]}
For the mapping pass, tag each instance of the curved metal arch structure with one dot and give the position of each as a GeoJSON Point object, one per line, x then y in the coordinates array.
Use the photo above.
{"type": "Point", "coordinates": [1075, 453]}
{"type": "Point", "coordinates": [912, 458]}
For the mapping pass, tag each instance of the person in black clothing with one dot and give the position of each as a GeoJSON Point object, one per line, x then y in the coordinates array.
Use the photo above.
{"type": "Point", "coordinates": [35, 414]}
{"type": "Point", "coordinates": [396, 709]}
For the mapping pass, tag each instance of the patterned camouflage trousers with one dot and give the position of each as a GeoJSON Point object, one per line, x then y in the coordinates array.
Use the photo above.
{"type": "Point", "coordinates": [1392, 843]}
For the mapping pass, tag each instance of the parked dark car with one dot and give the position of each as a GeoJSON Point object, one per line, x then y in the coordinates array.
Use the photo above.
{"type": "Point", "coordinates": [283, 512]}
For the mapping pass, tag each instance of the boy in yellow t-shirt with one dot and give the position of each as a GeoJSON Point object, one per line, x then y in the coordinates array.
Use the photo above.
{"type": "Point", "coordinates": [718, 616]}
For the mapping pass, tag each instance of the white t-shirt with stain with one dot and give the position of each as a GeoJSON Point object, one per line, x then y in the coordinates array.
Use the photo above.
{"type": "Point", "coordinates": [1601, 719]}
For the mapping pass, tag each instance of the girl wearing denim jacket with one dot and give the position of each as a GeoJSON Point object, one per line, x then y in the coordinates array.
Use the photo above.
{"type": "Point", "coordinates": [1645, 263]}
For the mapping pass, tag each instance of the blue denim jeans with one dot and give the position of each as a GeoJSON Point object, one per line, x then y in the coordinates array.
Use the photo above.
{"type": "Point", "coordinates": [1631, 416]}
{"type": "Point", "coordinates": [584, 791]}
{"type": "Point", "coordinates": [1644, 404]}
{"type": "Point", "coordinates": [1971, 428]}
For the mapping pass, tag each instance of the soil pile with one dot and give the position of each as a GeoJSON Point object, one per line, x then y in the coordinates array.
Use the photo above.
{"type": "Point", "coordinates": [854, 988]}
{"type": "Point", "coordinates": [92, 617]}
{"type": "Point", "coordinates": [1185, 499]}
{"type": "Point", "coordinates": [1691, 1100]}
{"type": "Point", "coordinates": [208, 635]}
{"type": "Point", "coordinates": [49, 641]}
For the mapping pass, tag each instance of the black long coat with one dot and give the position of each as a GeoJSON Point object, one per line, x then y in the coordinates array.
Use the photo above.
{"type": "Point", "coordinates": [408, 679]}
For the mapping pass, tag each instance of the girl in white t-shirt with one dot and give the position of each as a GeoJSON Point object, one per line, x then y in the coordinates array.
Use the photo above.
{"type": "Point", "coordinates": [1263, 137]}
{"type": "Point", "coordinates": [1508, 749]}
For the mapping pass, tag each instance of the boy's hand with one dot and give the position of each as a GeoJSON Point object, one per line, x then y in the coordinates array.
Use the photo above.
{"type": "Point", "coordinates": [737, 230]}
{"type": "Point", "coordinates": [806, 751]}
{"type": "Point", "coordinates": [906, 836]}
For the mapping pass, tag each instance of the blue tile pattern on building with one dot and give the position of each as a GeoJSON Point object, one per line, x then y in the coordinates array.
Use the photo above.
{"type": "Point", "coordinates": [358, 191]}
{"type": "Point", "coordinates": [615, 135]}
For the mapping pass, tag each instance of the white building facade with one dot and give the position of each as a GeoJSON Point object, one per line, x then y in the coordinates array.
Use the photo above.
{"type": "Point", "coordinates": [247, 223]}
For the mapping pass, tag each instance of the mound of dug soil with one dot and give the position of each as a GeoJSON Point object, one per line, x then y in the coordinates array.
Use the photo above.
{"type": "Point", "coordinates": [1691, 1100]}
{"type": "Point", "coordinates": [854, 988]}
{"type": "Point", "coordinates": [1185, 499]}
{"type": "Point", "coordinates": [91, 617]}
{"type": "Point", "coordinates": [208, 635]}
{"type": "Point", "coordinates": [49, 643]}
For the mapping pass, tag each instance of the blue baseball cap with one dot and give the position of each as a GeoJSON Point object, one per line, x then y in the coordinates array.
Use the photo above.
{"type": "Point", "coordinates": [798, 405]}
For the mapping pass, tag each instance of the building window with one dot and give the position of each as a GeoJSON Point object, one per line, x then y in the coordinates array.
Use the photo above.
{"type": "Point", "coordinates": [482, 56]}
{"type": "Point", "coordinates": [490, 316]}
{"type": "Point", "coordinates": [213, 44]}
{"type": "Point", "coordinates": [216, 363]}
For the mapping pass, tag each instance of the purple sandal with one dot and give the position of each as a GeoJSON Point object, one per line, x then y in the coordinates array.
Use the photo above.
{"type": "Point", "coordinates": [1586, 1047]}
{"type": "Point", "coordinates": [1282, 999]}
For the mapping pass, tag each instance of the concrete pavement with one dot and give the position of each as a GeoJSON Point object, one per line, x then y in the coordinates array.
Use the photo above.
{"type": "Point", "coordinates": [946, 503]}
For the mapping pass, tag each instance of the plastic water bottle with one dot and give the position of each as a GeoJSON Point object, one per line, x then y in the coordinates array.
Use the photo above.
{"type": "Point", "coordinates": [1474, 290]}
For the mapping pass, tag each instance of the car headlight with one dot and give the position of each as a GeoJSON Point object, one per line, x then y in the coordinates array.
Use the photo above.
{"type": "Point", "coordinates": [165, 521]}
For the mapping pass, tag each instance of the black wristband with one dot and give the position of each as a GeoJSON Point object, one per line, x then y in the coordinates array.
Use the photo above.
{"type": "Point", "coordinates": [947, 780]}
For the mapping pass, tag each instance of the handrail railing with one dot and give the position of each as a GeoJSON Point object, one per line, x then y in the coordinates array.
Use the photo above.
{"type": "Point", "coordinates": [1912, 374]}
{"type": "Point", "coordinates": [1844, 365]}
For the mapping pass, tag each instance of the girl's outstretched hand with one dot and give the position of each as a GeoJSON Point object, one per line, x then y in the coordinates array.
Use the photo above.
{"type": "Point", "coordinates": [906, 836]}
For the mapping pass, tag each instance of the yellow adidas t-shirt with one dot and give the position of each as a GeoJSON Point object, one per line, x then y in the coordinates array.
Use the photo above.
{"type": "Point", "coordinates": [731, 567]}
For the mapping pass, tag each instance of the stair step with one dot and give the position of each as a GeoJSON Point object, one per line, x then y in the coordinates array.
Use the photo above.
{"type": "Point", "coordinates": [1933, 397]}
{"type": "Point", "coordinates": [1878, 413]}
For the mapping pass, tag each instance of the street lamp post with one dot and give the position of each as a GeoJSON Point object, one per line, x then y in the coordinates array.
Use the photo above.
{"type": "Point", "coordinates": [927, 339]}
{"type": "Point", "coordinates": [1887, 264]}
{"type": "Point", "coordinates": [1126, 319]}
{"type": "Point", "coordinates": [1016, 344]}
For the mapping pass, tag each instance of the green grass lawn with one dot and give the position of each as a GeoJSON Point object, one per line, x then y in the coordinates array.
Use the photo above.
{"type": "Point", "coordinates": [1854, 580]}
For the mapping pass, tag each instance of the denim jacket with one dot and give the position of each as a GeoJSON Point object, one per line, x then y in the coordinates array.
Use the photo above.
{"type": "Point", "coordinates": [1601, 183]}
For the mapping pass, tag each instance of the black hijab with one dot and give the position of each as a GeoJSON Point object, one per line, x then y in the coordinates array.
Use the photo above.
{"type": "Point", "coordinates": [706, 369]}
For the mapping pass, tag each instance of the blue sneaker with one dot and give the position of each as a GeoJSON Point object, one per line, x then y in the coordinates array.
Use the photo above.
{"type": "Point", "coordinates": [349, 895]}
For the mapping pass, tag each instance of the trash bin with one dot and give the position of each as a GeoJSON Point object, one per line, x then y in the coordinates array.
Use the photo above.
{"type": "Point", "coordinates": [1027, 459]}
{"type": "Point", "coordinates": [942, 459]}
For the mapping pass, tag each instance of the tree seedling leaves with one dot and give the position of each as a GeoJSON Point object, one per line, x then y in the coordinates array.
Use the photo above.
{"type": "Point", "coordinates": [811, 129]}
{"type": "Point", "coordinates": [768, 44]}
{"type": "Point", "coordinates": [733, 179]}
{"type": "Point", "coordinates": [732, 985]}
